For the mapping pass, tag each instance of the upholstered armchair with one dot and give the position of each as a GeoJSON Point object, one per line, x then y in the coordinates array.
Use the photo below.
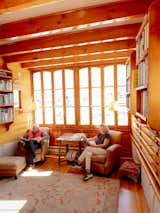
{"type": "Point", "coordinates": [40, 152]}
{"type": "Point", "coordinates": [105, 164]}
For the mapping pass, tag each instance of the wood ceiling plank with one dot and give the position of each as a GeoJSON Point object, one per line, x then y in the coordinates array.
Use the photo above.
{"type": "Point", "coordinates": [107, 46]}
{"type": "Point", "coordinates": [74, 18]}
{"type": "Point", "coordinates": [76, 59]}
{"type": "Point", "coordinates": [130, 30]}
{"type": "Point", "coordinates": [12, 5]}
{"type": "Point", "coordinates": [83, 64]}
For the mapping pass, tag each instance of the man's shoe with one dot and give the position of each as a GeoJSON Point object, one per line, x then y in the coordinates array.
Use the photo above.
{"type": "Point", "coordinates": [87, 176]}
{"type": "Point", "coordinates": [76, 164]}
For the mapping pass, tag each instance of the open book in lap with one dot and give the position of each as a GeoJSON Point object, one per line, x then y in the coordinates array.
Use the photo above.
{"type": "Point", "coordinates": [91, 142]}
{"type": "Point", "coordinates": [26, 140]}
{"type": "Point", "coordinates": [88, 142]}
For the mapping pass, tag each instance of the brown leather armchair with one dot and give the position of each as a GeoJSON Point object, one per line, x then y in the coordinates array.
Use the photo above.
{"type": "Point", "coordinates": [105, 164]}
{"type": "Point", "coordinates": [39, 153]}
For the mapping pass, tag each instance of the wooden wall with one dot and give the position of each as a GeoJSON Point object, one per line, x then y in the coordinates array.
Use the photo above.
{"type": "Point", "coordinates": [21, 119]}
{"type": "Point", "coordinates": [154, 66]}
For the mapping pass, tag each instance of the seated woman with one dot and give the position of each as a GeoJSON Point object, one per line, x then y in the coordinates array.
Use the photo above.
{"type": "Point", "coordinates": [96, 145]}
{"type": "Point", "coordinates": [32, 140]}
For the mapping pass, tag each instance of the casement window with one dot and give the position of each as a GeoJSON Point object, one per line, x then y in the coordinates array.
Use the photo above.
{"type": "Point", "coordinates": [63, 95]}
{"type": "Point", "coordinates": [37, 93]}
{"type": "Point", "coordinates": [109, 95]}
{"type": "Point", "coordinates": [81, 96]}
{"type": "Point", "coordinates": [121, 87]}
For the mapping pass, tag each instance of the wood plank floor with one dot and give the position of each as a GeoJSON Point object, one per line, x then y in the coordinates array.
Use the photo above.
{"type": "Point", "coordinates": [131, 196]}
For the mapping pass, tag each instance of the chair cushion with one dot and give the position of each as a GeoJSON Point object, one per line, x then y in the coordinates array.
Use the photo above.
{"type": "Point", "coordinates": [11, 162]}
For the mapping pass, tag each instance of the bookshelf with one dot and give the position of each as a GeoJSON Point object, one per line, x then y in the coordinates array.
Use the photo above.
{"type": "Point", "coordinates": [6, 98]}
{"type": "Point", "coordinates": [142, 66]}
{"type": "Point", "coordinates": [146, 151]}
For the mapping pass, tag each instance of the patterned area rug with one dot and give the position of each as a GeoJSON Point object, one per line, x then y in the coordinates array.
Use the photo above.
{"type": "Point", "coordinates": [56, 192]}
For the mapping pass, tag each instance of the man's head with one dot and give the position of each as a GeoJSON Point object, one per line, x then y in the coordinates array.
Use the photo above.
{"type": "Point", "coordinates": [103, 128]}
{"type": "Point", "coordinates": [35, 127]}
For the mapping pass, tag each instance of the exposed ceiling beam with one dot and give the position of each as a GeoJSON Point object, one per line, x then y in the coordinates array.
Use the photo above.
{"type": "Point", "coordinates": [74, 18]}
{"type": "Point", "coordinates": [86, 49]}
{"type": "Point", "coordinates": [76, 59]}
{"type": "Point", "coordinates": [81, 64]}
{"type": "Point", "coordinates": [11, 5]}
{"type": "Point", "coordinates": [127, 31]}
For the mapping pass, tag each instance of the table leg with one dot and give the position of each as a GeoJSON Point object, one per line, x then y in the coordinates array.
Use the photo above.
{"type": "Point", "coordinates": [80, 148]}
{"type": "Point", "coordinates": [67, 148]}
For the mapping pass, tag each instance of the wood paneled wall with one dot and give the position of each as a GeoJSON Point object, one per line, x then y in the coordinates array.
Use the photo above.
{"type": "Point", "coordinates": [154, 66]}
{"type": "Point", "coordinates": [21, 119]}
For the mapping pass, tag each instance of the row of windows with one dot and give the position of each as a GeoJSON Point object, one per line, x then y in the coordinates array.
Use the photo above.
{"type": "Point", "coordinates": [81, 97]}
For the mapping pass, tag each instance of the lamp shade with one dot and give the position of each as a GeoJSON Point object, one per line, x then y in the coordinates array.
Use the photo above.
{"type": "Point", "coordinates": [114, 106]}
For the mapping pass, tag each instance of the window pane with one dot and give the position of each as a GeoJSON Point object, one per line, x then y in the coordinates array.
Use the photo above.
{"type": "Point", "coordinates": [84, 97]}
{"type": "Point", "coordinates": [47, 80]}
{"type": "Point", "coordinates": [48, 98]}
{"type": "Point", "coordinates": [109, 76]}
{"type": "Point", "coordinates": [38, 116]}
{"type": "Point", "coordinates": [109, 117]}
{"type": "Point", "coordinates": [59, 116]}
{"type": "Point", "coordinates": [58, 98]}
{"type": "Point", "coordinates": [69, 97]}
{"type": "Point", "coordinates": [122, 94]}
{"type": "Point", "coordinates": [96, 115]}
{"type": "Point", "coordinates": [83, 77]}
{"type": "Point", "coordinates": [108, 95]}
{"type": "Point", "coordinates": [38, 99]}
{"type": "Point", "coordinates": [96, 97]}
{"type": "Point", "coordinates": [70, 115]}
{"type": "Point", "coordinates": [58, 79]}
{"type": "Point", "coordinates": [69, 79]}
{"type": "Point", "coordinates": [122, 118]}
{"type": "Point", "coordinates": [95, 77]}
{"type": "Point", "coordinates": [37, 81]}
{"type": "Point", "coordinates": [48, 115]}
{"type": "Point", "coordinates": [84, 115]}
{"type": "Point", "coordinates": [121, 74]}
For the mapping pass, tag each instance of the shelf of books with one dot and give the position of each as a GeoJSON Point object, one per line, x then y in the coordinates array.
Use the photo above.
{"type": "Point", "coordinates": [147, 144]}
{"type": "Point", "coordinates": [142, 65]}
{"type": "Point", "coordinates": [6, 98]}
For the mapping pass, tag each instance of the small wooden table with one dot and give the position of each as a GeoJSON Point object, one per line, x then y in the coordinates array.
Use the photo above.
{"type": "Point", "coordinates": [69, 139]}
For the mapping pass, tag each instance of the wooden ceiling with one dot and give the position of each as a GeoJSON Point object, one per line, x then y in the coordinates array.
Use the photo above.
{"type": "Point", "coordinates": [95, 34]}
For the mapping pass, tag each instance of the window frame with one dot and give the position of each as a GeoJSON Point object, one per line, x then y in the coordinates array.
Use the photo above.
{"type": "Point", "coordinates": [77, 96]}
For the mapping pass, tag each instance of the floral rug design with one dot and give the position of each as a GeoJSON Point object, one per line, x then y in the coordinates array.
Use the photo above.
{"type": "Point", "coordinates": [57, 192]}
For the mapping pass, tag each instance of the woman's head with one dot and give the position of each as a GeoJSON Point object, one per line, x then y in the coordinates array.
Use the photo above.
{"type": "Point", "coordinates": [103, 128]}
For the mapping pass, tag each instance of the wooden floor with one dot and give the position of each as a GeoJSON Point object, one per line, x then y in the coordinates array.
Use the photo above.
{"type": "Point", "coordinates": [131, 197]}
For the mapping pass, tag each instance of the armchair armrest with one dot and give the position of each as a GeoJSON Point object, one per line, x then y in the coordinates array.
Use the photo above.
{"type": "Point", "coordinates": [44, 146]}
{"type": "Point", "coordinates": [112, 157]}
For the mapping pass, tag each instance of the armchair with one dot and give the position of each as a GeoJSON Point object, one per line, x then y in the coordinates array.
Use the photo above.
{"type": "Point", "coordinates": [105, 164]}
{"type": "Point", "coordinates": [40, 152]}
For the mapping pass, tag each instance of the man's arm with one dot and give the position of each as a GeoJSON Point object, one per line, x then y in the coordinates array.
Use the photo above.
{"type": "Point", "coordinates": [104, 144]}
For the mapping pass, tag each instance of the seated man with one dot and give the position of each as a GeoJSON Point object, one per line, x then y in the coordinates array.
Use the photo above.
{"type": "Point", "coordinates": [32, 140]}
{"type": "Point", "coordinates": [96, 145]}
